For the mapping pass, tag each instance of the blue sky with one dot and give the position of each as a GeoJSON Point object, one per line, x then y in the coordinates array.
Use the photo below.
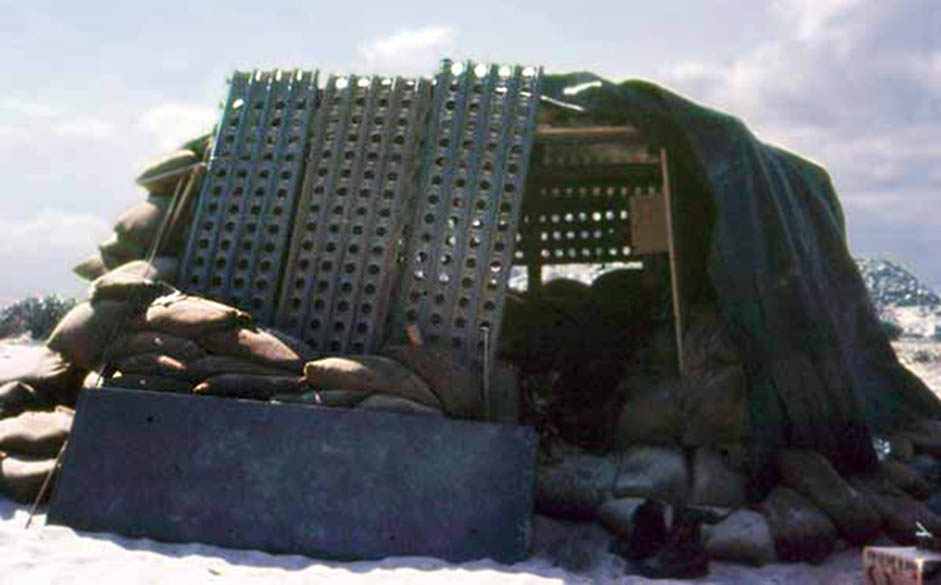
{"type": "Point", "coordinates": [93, 90]}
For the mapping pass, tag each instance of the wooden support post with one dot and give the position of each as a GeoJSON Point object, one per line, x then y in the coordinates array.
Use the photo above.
{"type": "Point", "coordinates": [674, 278]}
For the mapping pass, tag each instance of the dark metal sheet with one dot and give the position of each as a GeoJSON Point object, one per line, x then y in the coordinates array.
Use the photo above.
{"type": "Point", "coordinates": [295, 479]}
{"type": "Point", "coordinates": [357, 192]}
{"type": "Point", "coordinates": [241, 228]}
{"type": "Point", "coordinates": [462, 235]}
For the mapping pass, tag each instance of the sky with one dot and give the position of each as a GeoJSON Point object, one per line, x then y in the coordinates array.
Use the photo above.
{"type": "Point", "coordinates": [93, 90]}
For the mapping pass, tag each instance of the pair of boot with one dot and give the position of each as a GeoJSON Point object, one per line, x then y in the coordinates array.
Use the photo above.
{"type": "Point", "coordinates": [657, 552]}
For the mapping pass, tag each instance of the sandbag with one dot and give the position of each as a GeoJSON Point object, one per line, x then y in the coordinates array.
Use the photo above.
{"type": "Point", "coordinates": [907, 479]}
{"type": "Point", "coordinates": [15, 397]}
{"type": "Point", "coordinates": [160, 268]}
{"type": "Point", "coordinates": [161, 175]}
{"type": "Point", "coordinates": [651, 414]}
{"type": "Point", "coordinates": [617, 515]}
{"type": "Point", "coordinates": [928, 466]}
{"type": "Point", "coordinates": [653, 472]}
{"type": "Point", "coordinates": [91, 267]}
{"type": "Point", "coordinates": [575, 487]}
{"type": "Point", "coordinates": [623, 288]}
{"type": "Point", "coordinates": [374, 374]}
{"type": "Point", "coordinates": [250, 386]}
{"type": "Point", "coordinates": [257, 345]}
{"type": "Point", "coordinates": [150, 382]}
{"type": "Point", "coordinates": [396, 404]}
{"type": "Point", "coordinates": [21, 479]}
{"type": "Point", "coordinates": [715, 482]}
{"type": "Point", "coordinates": [899, 511]}
{"type": "Point", "coordinates": [743, 537]}
{"type": "Point", "coordinates": [129, 343]}
{"type": "Point", "coordinates": [198, 145]}
{"type": "Point", "coordinates": [132, 282]}
{"type": "Point", "coordinates": [140, 223]}
{"type": "Point", "coordinates": [925, 437]}
{"type": "Point", "coordinates": [155, 364]}
{"type": "Point", "coordinates": [53, 379]}
{"type": "Point", "coordinates": [215, 365]}
{"type": "Point", "coordinates": [331, 398]}
{"type": "Point", "coordinates": [564, 288]}
{"type": "Point", "coordinates": [456, 385]}
{"type": "Point", "coordinates": [85, 331]}
{"type": "Point", "coordinates": [714, 406]}
{"type": "Point", "coordinates": [901, 448]}
{"type": "Point", "coordinates": [116, 251]}
{"type": "Point", "coordinates": [112, 260]}
{"type": "Point", "coordinates": [811, 475]}
{"type": "Point", "coordinates": [189, 316]}
{"type": "Point", "coordinates": [801, 532]}
{"type": "Point", "coordinates": [36, 434]}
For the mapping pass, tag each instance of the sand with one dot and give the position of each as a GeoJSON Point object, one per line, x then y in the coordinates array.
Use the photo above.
{"type": "Point", "coordinates": [563, 554]}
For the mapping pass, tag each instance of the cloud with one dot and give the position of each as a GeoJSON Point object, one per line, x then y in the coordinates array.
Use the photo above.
{"type": "Point", "coordinates": [53, 228]}
{"type": "Point", "coordinates": [16, 107]}
{"type": "Point", "coordinates": [25, 122]}
{"type": "Point", "coordinates": [172, 123]}
{"type": "Point", "coordinates": [84, 127]}
{"type": "Point", "coordinates": [37, 252]}
{"type": "Point", "coordinates": [408, 52]}
{"type": "Point", "coordinates": [854, 85]}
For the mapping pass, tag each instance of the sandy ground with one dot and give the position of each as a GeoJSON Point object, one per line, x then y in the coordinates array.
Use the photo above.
{"type": "Point", "coordinates": [562, 552]}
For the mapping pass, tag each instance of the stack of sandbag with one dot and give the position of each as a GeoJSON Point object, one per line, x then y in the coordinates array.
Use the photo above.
{"type": "Point", "coordinates": [137, 226]}
{"type": "Point", "coordinates": [408, 379]}
{"type": "Point", "coordinates": [29, 445]}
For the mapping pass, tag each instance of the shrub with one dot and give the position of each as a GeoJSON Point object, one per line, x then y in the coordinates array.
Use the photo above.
{"type": "Point", "coordinates": [892, 330]}
{"type": "Point", "coordinates": [34, 315]}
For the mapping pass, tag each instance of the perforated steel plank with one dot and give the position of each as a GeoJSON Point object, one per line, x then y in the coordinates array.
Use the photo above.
{"type": "Point", "coordinates": [240, 230]}
{"type": "Point", "coordinates": [352, 207]}
{"type": "Point", "coordinates": [461, 238]}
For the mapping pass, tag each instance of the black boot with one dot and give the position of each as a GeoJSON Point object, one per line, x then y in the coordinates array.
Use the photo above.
{"type": "Point", "coordinates": [683, 556]}
{"type": "Point", "coordinates": [648, 533]}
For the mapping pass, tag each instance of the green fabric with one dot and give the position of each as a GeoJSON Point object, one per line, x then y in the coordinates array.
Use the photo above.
{"type": "Point", "coordinates": [769, 228]}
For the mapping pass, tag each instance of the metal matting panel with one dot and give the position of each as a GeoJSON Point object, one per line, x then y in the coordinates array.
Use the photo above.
{"type": "Point", "coordinates": [240, 230]}
{"type": "Point", "coordinates": [352, 207]}
{"type": "Point", "coordinates": [577, 202]}
{"type": "Point", "coordinates": [461, 238]}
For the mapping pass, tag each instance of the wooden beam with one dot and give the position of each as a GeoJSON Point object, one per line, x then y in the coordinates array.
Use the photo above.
{"type": "Point", "coordinates": [674, 279]}
{"type": "Point", "coordinates": [589, 133]}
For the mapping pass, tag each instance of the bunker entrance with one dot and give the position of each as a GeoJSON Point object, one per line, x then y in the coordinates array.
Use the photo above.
{"type": "Point", "coordinates": [592, 309]}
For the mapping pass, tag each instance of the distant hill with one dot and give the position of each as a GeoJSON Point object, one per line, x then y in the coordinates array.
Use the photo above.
{"type": "Point", "coordinates": [892, 284]}
{"type": "Point", "coordinates": [900, 297]}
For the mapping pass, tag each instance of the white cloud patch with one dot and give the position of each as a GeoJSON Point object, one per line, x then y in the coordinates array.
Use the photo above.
{"type": "Point", "coordinates": [854, 85]}
{"type": "Point", "coordinates": [25, 122]}
{"type": "Point", "coordinates": [173, 123]}
{"type": "Point", "coordinates": [52, 228]}
{"type": "Point", "coordinates": [407, 52]}
{"type": "Point", "coordinates": [37, 252]}
{"type": "Point", "coordinates": [84, 127]}
{"type": "Point", "coordinates": [21, 108]}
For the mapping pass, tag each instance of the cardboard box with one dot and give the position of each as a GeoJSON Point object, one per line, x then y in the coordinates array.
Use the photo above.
{"type": "Point", "coordinates": [900, 566]}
